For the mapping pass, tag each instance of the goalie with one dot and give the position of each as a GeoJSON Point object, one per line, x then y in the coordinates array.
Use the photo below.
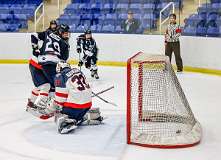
{"type": "Point", "coordinates": [72, 102]}
{"type": "Point", "coordinates": [87, 44]}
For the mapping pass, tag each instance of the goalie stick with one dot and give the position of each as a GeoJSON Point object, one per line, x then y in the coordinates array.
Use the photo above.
{"type": "Point", "coordinates": [96, 95]}
{"type": "Point", "coordinates": [105, 90]}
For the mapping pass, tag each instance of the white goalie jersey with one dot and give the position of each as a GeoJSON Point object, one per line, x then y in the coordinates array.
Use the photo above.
{"type": "Point", "coordinates": [72, 90]}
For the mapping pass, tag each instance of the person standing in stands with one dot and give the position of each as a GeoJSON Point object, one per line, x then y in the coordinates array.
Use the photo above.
{"type": "Point", "coordinates": [130, 25]}
{"type": "Point", "coordinates": [172, 43]}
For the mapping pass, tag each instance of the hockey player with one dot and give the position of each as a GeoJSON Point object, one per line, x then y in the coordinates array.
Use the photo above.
{"type": "Point", "coordinates": [38, 78]}
{"type": "Point", "coordinates": [55, 48]}
{"type": "Point", "coordinates": [73, 100]}
{"type": "Point", "coordinates": [87, 44]}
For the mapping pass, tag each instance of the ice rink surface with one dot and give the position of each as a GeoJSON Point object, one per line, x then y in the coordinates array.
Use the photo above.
{"type": "Point", "coordinates": [23, 137]}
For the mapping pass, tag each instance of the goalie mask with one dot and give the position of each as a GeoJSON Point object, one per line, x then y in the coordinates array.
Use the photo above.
{"type": "Point", "coordinates": [61, 65]}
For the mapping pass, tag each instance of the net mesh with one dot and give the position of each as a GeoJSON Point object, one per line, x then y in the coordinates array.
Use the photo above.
{"type": "Point", "coordinates": [159, 111]}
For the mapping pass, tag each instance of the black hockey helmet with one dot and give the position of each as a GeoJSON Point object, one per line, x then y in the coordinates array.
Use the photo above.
{"type": "Point", "coordinates": [63, 28]}
{"type": "Point", "coordinates": [53, 22]}
{"type": "Point", "coordinates": [88, 34]}
{"type": "Point", "coordinates": [53, 25]}
{"type": "Point", "coordinates": [88, 31]}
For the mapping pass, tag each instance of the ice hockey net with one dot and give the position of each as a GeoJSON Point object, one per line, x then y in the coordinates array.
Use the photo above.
{"type": "Point", "coordinates": [158, 113]}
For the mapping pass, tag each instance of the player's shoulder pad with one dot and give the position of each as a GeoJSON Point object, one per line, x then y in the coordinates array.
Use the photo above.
{"type": "Point", "coordinates": [56, 37]}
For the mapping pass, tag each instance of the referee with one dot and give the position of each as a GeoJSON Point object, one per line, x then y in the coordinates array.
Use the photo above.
{"type": "Point", "coordinates": [172, 43]}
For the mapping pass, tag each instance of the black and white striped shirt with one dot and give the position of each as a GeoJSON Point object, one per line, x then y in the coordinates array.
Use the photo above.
{"type": "Point", "coordinates": [173, 33]}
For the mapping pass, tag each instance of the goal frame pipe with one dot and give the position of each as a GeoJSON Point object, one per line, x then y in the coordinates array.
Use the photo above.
{"type": "Point", "coordinates": [129, 97]}
{"type": "Point", "coordinates": [140, 107]}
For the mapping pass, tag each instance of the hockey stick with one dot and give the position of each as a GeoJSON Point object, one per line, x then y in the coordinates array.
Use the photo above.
{"type": "Point", "coordinates": [104, 99]}
{"type": "Point", "coordinates": [79, 57]}
{"type": "Point", "coordinates": [79, 60]}
{"type": "Point", "coordinates": [103, 91]}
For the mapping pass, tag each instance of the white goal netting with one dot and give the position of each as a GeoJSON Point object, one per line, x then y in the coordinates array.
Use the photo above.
{"type": "Point", "coordinates": [159, 114]}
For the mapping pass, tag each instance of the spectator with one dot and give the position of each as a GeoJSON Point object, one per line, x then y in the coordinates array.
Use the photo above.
{"type": "Point", "coordinates": [130, 25]}
{"type": "Point", "coordinates": [172, 43]}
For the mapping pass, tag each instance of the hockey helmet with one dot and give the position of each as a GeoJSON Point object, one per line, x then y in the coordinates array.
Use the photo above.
{"type": "Point", "coordinates": [87, 34]}
{"type": "Point", "coordinates": [53, 25]}
{"type": "Point", "coordinates": [61, 65]}
{"type": "Point", "coordinates": [63, 31]}
{"type": "Point", "coordinates": [63, 28]}
{"type": "Point", "coordinates": [53, 22]}
{"type": "Point", "coordinates": [88, 31]}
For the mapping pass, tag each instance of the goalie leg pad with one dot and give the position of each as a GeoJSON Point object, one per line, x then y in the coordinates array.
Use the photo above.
{"type": "Point", "coordinates": [42, 99]}
{"type": "Point", "coordinates": [34, 95]}
{"type": "Point", "coordinates": [93, 113]}
{"type": "Point", "coordinates": [93, 117]}
{"type": "Point", "coordinates": [64, 124]}
{"type": "Point", "coordinates": [34, 111]}
{"type": "Point", "coordinates": [50, 110]}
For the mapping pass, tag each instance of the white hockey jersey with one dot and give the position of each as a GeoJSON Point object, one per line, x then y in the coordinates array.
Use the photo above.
{"type": "Point", "coordinates": [72, 89]}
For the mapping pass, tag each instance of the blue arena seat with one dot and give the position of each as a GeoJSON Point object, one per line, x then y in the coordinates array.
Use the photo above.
{"type": "Point", "coordinates": [108, 28]}
{"type": "Point", "coordinates": [113, 12]}
{"type": "Point", "coordinates": [118, 29]}
{"type": "Point", "coordinates": [189, 31]}
{"type": "Point", "coordinates": [201, 31]}
{"type": "Point", "coordinates": [213, 31]}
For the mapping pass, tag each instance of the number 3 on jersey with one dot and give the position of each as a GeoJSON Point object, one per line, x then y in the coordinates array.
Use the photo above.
{"type": "Point", "coordinates": [78, 81]}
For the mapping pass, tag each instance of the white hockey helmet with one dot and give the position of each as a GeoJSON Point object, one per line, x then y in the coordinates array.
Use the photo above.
{"type": "Point", "coordinates": [61, 65]}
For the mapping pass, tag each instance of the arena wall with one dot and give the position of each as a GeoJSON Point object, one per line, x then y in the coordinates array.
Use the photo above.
{"type": "Point", "coordinates": [201, 54]}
